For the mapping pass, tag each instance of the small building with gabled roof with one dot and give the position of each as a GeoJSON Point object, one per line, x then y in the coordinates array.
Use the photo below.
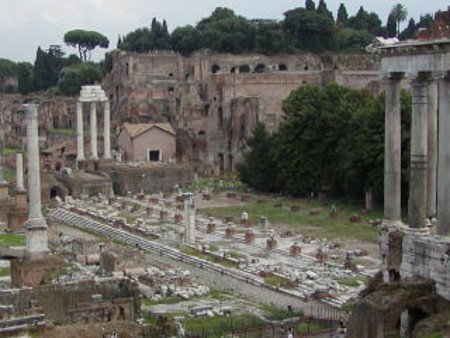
{"type": "Point", "coordinates": [147, 142]}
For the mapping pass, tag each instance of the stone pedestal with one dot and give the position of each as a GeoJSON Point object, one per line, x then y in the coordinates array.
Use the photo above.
{"type": "Point", "coordinates": [32, 272]}
{"type": "Point", "coordinates": [295, 250]}
{"type": "Point", "coordinates": [4, 190]}
{"type": "Point", "coordinates": [211, 228]}
{"type": "Point", "coordinates": [230, 232]}
{"type": "Point", "coordinates": [271, 243]}
{"type": "Point", "coordinates": [249, 237]}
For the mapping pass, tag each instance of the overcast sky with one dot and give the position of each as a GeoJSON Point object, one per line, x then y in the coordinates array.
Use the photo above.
{"type": "Point", "coordinates": [27, 24]}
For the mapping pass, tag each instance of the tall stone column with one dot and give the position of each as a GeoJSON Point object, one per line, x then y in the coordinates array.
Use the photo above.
{"type": "Point", "coordinates": [106, 131]}
{"type": "Point", "coordinates": [417, 205]}
{"type": "Point", "coordinates": [36, 224]}
{"type": "Point", "coordinates": [392, 156]}
{"type": "Point", "coordinates": [19, 172]}
{"type": "Point", "coordinates": [189, 208]}
{"type": "Point", "coordinates": [432, 147]}
{"type": "Point", "coordinates": [80, 132]}
{"type": "Point", "coordinates": [443, 199]}
{"type": "Point", "coordinates": [2, 173]}
{"type": "Point", "coordinates": [93, 127]}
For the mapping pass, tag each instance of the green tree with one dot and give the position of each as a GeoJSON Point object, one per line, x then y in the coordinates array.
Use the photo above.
{"type": "Point", "coordinates": [310, 30]}
{"type": "Point", "coordinates": [323, 10]}
{"type": "Point", "coordinates": [186, 39]}
{"type": "Point", "coordinates": [400, 14]}
{"type": "Point", "coordinates": [342, 15]}
{"type": "Point", "coordinates": [72, 78]}
{"type": "Point", "coordinates": [7, 68]}
{"type": "Point", "coordinates": [258, 168]}
{"type": "Point", "coordinates": [409, 31]}
{"type": "Point", "coordinates": [367, 21]}
{"type": "Point", "coordinates": [310, 5]}
{"type": "Point", "coordinates": [270, 38]}
{"type": "Point", "coordinates": [25, 77]}
{"type": "Point", "coordinates": [391, 26]}
{"type": "Point", "coordinates": [85, 41]}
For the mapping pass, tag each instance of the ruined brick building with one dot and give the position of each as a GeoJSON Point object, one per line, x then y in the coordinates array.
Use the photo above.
{"type": "Point", "coordinates": [214, 100]}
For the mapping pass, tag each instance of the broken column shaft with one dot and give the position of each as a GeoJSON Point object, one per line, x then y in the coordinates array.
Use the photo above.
{"type": "Point", "coordinates": [19, 172]}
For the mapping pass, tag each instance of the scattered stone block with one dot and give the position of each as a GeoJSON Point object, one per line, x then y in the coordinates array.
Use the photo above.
{"type": "Point", "coordinates": [211, 228]}
{"type": "Point", "coordinates": [206, 197]}
{"type": "Point", "coordinates": [314, 212]}
{"type": "Point", "coordinates": [355, 219]}
{"type": "Point", "coordinates": [271, 243]}
{"type": "Point", "coordinates": [295, 208]}
{"type": "Point", "coordinates": [249, 237]}
{"type": "Point", "coordinates": [229, 219]}
{"type": "Point", "coordinates": [230, 232]}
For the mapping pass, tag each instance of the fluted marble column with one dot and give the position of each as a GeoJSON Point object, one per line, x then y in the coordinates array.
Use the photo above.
{"type": "Point", "coordinates": [443, 199]}
{"type": "Point", "coordinates": [80, 132]}
{"type": "Point", "coordinates": [93, 120]}
{"type": "Point", "coordinates": [37, 244]}
{"type": "Point", "coordinates": [432, 147]}
{"type": "Point", "coordinates": [417, 205]}
{"type": "Point", "coordinates": [19, 172]}
{"type": "Point", "coordinates": [392, 158]}
{"type": "Point", "coordinates": [106, 131]}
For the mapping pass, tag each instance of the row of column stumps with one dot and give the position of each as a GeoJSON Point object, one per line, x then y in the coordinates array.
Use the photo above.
{"type": "Point", "coordinates": [93, 94]}
{"type": "Point", "coordinates": [423, 193]}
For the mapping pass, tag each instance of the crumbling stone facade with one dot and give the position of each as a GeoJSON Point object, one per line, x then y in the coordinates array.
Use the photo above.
{"type": "Point", "coordinates": [215, 100]}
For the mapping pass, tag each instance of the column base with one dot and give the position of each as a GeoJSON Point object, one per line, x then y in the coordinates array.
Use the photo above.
{"type": "Point", "coordinates": [418, 231]}
{"type": "Point", "coordinates": [393, 225]}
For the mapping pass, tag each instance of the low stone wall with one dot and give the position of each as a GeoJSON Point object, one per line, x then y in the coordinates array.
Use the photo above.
{"type": "Point", "coordinates": [72, 302]}
{"type": "Point", "coordinates": [147, 179]}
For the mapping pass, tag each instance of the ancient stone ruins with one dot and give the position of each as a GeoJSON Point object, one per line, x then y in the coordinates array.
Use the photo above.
{"type": "Point", "coordinates": [123, 236]}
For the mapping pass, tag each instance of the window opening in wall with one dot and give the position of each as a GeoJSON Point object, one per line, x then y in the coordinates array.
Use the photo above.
{"type": "Point", "coordinates": [220, 117]}
{"type": "Point", "coordinates": [260, 68]}
{"type": "Point", "coordinates": [215, 68]}
{"type": "Point", "coordinates": [282, 67]}
{"type": "Point", "coordinates": [170, 74]}
{"type": "Point", "coordinates": [306, 68]}
{"type": "Point", "coordinates": [201, 133]}
{"type": "Point", "coordinates": [233, 70]}
{"type": "Point", "coordinates": [171, 89]}
{"type": "Point", "coordinates": [221, 162]}
{"type": "Point", "coordinates": [126, 69]}
{"type": "Point", "coordinates": [244, 69]}
{"type": "Point", "coordinates": [154, 155]}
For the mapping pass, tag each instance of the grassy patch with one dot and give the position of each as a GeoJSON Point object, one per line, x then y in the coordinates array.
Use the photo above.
{"type": "Point", "coordinates": [217, 326]}
{"type": "Point", "coordinates": [164, 300]}
{"type": "Point", "coordinates": [219, 295]}
{"type": "Point", "coordinates": [7, 240]}
{"type": "Point", "coordinates": [353, 282]}
{"type": "Point", "coordinates": [193, 252]}
{"type": "Point", "coordinates": [310, 327]}
{"type": "Point", "coordinates": [64, 131]}
{"type": "Point", "coordinates": [275, 280]}
{"type": "Point", "coordinates": [129, 217]}
{"type": "Point", "coordinates": [5, 272]}
{"type": "Point", "coordinates": [11, 150]}
{"type": "Point", "coordinates": [320, 225]}
{"type": "Point", "coordinates": [9, 175]}
{"type": "Point", "coordinates": [272, 312]}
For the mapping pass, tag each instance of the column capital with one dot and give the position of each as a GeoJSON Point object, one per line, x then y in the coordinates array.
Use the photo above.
{"type": "Point", "coordinates": [392, 76]}
{"type": "Point", "coordinates": [31, 110]}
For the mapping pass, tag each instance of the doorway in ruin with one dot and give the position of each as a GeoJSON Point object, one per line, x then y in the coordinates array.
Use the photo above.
{"type": "Point", "coordinates": [244, 69]}
{"type": "Point", "coordinates": [56, 191]}
{"type": "Point", "coordinates": [260, 68]}
{"type": "Point", "coordinates": [230, 163]}
{"type": "Point", "coordinates": [215, 68]}
{"type": "Point", "coordinates": [154, 155]}
{"type": "Point", "coordinates": [221, 163]}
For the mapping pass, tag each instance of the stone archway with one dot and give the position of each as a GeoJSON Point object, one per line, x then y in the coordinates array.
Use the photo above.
{"type": "Point", "coordinates": [57, 191]}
